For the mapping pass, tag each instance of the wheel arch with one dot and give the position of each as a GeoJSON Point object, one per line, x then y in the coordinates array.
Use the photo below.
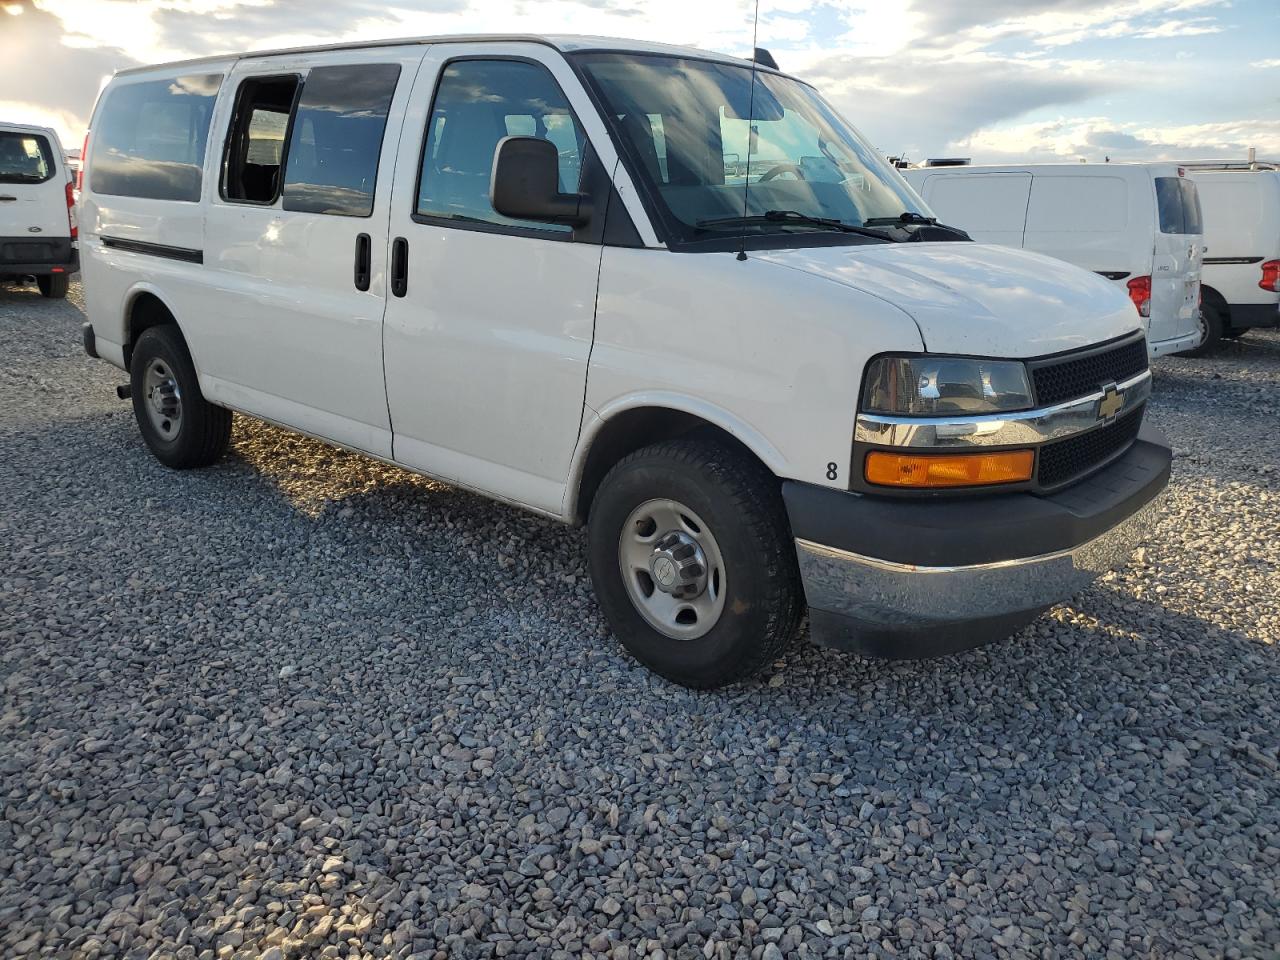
{"type": "Point", "coordinates": [627, 425]}
{"type": "Point", "coordinates": [144, 308]}
{"type": "Point", "coordinates": [1211, 295]}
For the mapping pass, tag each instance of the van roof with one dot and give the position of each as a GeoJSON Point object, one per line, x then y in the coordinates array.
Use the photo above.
{"type": "Point", "coordinates": [1157, 167]}
{"type": "Point", "coordinates": [27, 128]}
{"type": "Point", "coordinates": [565, 43]}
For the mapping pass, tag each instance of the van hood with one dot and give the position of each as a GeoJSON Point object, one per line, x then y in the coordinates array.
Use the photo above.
{"type": "Point", "coordinates": [978, 299]}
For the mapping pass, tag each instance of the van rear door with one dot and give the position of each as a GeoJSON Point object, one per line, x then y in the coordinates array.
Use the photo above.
{"type": "Point", "coordinates": [33, 198]}
{"type": "Point", "coordinates": [1179, 254]}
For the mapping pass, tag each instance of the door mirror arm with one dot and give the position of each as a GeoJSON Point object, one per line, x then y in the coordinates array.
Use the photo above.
{"type": "Point", "coordinates": [525, 184]}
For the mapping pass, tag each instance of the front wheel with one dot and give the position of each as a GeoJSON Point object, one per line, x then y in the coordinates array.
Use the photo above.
{"type": "Point", "coordinates": [181, 427]}
{"type": "Point", "coordinates": [693, 562]}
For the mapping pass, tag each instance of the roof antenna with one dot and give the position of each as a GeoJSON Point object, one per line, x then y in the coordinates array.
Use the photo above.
{"type": "Point", "coordinates": [751, 112]}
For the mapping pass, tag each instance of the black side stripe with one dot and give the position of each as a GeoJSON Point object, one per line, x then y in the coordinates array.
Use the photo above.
{"type": "Point", "coordinates": [1232, 259]}
{"type": "Point", "coordinates": [184, 254]}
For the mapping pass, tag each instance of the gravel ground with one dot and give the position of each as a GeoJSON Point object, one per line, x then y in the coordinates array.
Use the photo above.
{"type": "Point", "coordinates": [305, 705]}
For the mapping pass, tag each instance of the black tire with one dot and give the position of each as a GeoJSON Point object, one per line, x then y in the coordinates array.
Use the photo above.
{"type": "Point", "coordinates": [1234, 333]}
{"type": "Point", "coordinates": [53, 285]}
{"type": "Point", "coordinates": [741, 503]}
{"type": "Point", "coordinates": [1211, 322]}
{"type": "Point", "coordinates": [204, 429]}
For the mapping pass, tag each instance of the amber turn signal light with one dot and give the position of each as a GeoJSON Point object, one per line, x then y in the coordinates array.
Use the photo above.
{"type": "Point", "coordinates": [963, 470]}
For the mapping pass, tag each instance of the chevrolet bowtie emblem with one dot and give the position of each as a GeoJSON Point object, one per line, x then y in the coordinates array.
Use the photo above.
{"type": "Point", "coordinates": [1112, 402]}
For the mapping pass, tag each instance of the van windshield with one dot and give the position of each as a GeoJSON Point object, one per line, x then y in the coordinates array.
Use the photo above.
{"type": "Point", "coordinates": [24, 158]}
{"type": "Point", "coordinates": [682, 126]}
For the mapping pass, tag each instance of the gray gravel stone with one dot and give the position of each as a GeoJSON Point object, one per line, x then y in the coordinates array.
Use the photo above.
{"type": "Point", "coordinates": [302, 704]}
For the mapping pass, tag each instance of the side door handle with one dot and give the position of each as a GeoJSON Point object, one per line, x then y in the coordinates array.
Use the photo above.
{"type": "Point", "coordinates": [364, 253]}
{"type": "Point", "coordinates": [400, 266]}
{"type": "Point", "coordinates": [8, 199]}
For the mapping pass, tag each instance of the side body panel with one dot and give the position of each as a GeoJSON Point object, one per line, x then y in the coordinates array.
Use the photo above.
{"type": "Point", "coordinates": [991, 207]}
{"type": "Point", "coordinates": [1241, 231]}
{"type": "Point", "coordinates": [115, 276]}
{"type": "Point", "coordinates": [772, 354]}
{"type": "Point", "coordinates": [282, 330]}
{"type": "Point", "coordinates": [486, 353]}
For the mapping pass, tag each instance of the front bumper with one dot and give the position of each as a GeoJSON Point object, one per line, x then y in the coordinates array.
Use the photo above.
{"type": "Point", "coordinates": [920, 578]}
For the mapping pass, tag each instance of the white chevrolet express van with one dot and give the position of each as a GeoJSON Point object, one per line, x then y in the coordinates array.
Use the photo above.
{"type": "Point", "coordinates": [37, 209]}
{"type": "Point", "coordinates": [1137, 224]}
{"type": "Point", "coordinates": [1241, 280]}
{"type": "Point", "coordinates": [623, 285]}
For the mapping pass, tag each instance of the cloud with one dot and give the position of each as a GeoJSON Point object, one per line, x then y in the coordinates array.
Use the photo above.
{"type": "Point", "coordinates": [1095, 138]}
{"type": "Point", "coordinates": [45, 80]}
{"type": "Point", "coordinates": [1265, 64]}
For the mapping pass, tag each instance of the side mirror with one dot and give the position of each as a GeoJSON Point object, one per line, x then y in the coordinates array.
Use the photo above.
{"type": "Point", "coordinates": [525, 184]}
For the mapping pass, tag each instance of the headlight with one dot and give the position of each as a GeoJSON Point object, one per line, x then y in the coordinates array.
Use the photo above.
{"type": "Point", "coordinates": [945, 386]}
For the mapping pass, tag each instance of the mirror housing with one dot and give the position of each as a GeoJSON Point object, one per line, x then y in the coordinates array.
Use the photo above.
{"type": "Point", "coordinates": [525, 184]}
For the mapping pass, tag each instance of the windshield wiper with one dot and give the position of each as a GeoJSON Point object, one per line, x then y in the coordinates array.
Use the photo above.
{"type": "Point", "coordinates": [793, 217]}
{"type": "Point", "coordinates": [909, 216]}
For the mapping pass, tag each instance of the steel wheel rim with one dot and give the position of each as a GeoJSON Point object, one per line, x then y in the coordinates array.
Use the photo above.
{"type": "Point", "coordinates": [162, 398]}
{"type": "Point", "coordinates": [663, 540]}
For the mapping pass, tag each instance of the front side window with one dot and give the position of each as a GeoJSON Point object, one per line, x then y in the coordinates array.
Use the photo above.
{"type": "Point", "coordinates": [337, 139]}
{"type": "Point", "coordinates": [255, 150]}
{"type": "Point", "coordinates": [477, 104]}
{"type": "Point", "coordinates": [24, 158]}
{"type": "Point", "coordinates": [149, 138]}
{"type": "Point", "coordinates": [683, 126]}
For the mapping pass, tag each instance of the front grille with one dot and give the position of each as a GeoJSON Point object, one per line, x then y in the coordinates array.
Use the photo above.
{"type": "Point", "coordinates": [1057, 381]}
{"type": "Point", "coordinates": [1065, 460]}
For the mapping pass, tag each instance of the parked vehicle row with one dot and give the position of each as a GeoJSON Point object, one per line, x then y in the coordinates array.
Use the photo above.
{"type": "Point", "coordinates": [1241, 279]}
{"type": "Point", "coordinates": [1138, 225]}
{"type": "Point", "coordinates": [531, 267]}
{"type": "Point", "coordinates": [37, 209]}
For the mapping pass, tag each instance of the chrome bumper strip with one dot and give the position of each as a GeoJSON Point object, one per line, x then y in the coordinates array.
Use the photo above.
{"type": "Point", "coordinates": [879, 594]}
{"type": "Point", "coordinates": [1027, 427]}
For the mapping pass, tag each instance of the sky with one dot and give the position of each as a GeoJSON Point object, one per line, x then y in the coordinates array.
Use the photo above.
{"type": "Point", "coordinates": [994, 80]}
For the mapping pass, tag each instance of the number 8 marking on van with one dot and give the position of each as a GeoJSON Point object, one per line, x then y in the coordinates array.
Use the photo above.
{"type": "Point", "coordinates": [833, 471]}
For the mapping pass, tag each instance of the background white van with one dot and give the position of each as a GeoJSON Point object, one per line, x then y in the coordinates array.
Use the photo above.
{"type": "Point", "coordinates": [37, 209]}
{"type": "Point", "coordinates": [1241, 278]}
{"type": "Point", "coordinates": [1135, 224]}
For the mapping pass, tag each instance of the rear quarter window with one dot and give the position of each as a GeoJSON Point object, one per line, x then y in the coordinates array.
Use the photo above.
{"type": "Point", "coordinates": [25, 158]}
{"type": "Point", "coordinates": [149, 139]}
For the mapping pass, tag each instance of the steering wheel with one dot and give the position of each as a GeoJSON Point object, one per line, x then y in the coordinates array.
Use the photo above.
{"type": "Point", "coordinates": [791, 168]}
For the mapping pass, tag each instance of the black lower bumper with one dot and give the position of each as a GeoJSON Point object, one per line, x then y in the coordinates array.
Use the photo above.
{"type": "Point", "coordinates": [918, 578]}
{"type": "Point", "coordinates": [1245, 315]}
{"type": "Point", "coordinates": [31, 256]}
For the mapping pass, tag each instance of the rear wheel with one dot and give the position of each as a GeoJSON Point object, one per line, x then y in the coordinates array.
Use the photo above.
{"type": "Point", "coordinates": [181, 427]}
{"type": "Point", "coordinates": [1211, 327]}
{"type": "Point", "coordinates": [53, 285]}
{"type": "Point", "coordinates": [693, 562]}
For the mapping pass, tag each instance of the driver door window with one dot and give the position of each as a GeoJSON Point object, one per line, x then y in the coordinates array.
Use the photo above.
{"type": "Point", "coordinates": [477, 104]}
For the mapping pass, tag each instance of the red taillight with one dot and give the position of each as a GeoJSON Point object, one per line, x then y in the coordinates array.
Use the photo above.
{"type": "Point", "coordinates": [84, 153]}
{"type": "Point", "coordinates": [72, 221]}
{"type": "Point", "coordinates": [1140, 294]}
{"type": "Point", "coordinates": [1270, 276]}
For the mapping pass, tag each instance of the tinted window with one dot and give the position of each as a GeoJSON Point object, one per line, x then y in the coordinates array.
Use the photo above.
{"type": "Point", "coordinates": [25, 158]}
{"type": "Point", "coordinates": [1192, 221]}
{"type": "Point", "coordinates": [255, 149]}
{"type": "Point", "coordinates": [149, 139]}
{"type": "Point", "coordinates": [479, 102]}
{"type": "Point", "coordinates": [1179, 205]}
{"type": "Point", "coordinates": [337, 139]}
